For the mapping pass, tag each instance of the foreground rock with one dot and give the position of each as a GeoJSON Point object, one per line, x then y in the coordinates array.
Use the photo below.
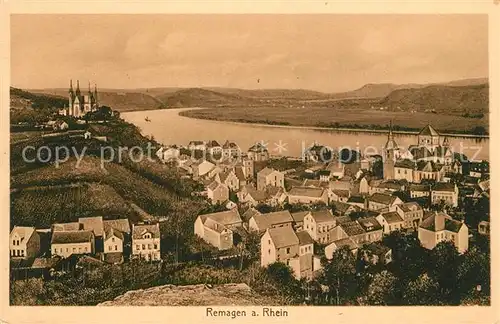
{"type": "Point", "coordinates": [192, 295]}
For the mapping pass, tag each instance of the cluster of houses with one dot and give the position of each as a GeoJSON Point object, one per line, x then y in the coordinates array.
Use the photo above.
{"type": "Point", "coordinates": [359, 208]}
{"type": "Point", "coordinates": [110, 241]}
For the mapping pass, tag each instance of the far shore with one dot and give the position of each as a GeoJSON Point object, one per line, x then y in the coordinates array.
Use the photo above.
{"type": "Point", "coordinates": [318, 128]}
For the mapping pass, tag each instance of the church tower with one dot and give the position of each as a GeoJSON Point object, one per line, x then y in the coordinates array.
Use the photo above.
{"type": "Point", "coordinates": [389, 155]}
{"type": "Point", "coordinates": [71, 97]}
{"type": "Point", "coordinates": [96, 103]}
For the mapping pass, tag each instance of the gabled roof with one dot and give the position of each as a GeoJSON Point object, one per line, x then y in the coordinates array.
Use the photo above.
{"type": "Point", "coordinates": [258, 195]}
{"type": "Point", "coordinates": [249, 213]}
{"type": "Point", "coordinates": [238, 171]}
{"type": "Point", "coordinates": [342, 193]}
{"type": "Point", "coordinates": [410, 206]}
{"type": "Point", "coordinates": [389, 185]}
{"type": "Point", "coordinates": [444, 186]}
{"type": "Point", "coordinates": [257, 148]}
{"type": "Point", "coordinates": [214, 185]}
{"type": "Point", "coordinates": [429, 166]}
{"type": "Point", "coordinates": [224, 175]}
{"type": "Point", "coordinates": [23, 232]}
{"type": "Point", "coordinates": [392, 217]}
{"type": "Point", "coordinates": [46, 263]}
{"type": "Point", "coordinates": [266, 171]}
{"type": "Point", "coordinates": [341, 207]}
{"type": "Point", "coordinates": [230, 145]}
{"type": "Point", "coordinates": [110, 231]}
{"type": "Point", "coordinates": [352, 228]}
{"type": "Point", "coordinates": [419, 187]}
{"type": "Point", "coordinates": [298, 217]}
{"type": "Point", "coordinates": [405, 164]}
{"type": "Point", "coordinates": [213, 143]}
{"type": "Point", "coordinates": [322, 216]}
{"type": "Point", "coordinates": [346, 242]}
{"type": "Point", "coordinates": [228, 217]}
{"type": "Point", "coordinates": [356, 199]}
{"type": "Point", "coordinates": [428, 131]}
{"type": "Point", "coordinates": [72, 237]}
{"type": "Point", "coordinates": [382, 198]}
{"type": "Point", "coordinates": [265, 221]}
{"type": "Point", "coordinates": [121, 224]}
{"type": "Point", "coordinates": [73, 226]}
{"type": "Point", "coordinates": [138, 230]}
{"type": "Point", "coordinates": [94, 224]}
{"type": "Point", "coordinates": [306, 192]}
{"type": "Point", "coordinates": [369, 224]}
{"type": "Point", "coordinates": [420, 152]}
{"type": "Point", "coordinates": [441, 221]}
{"type": "Point", "coordinates": [283, 236]}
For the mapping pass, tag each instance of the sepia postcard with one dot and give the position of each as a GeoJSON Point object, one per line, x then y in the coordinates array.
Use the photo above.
{"type": "Point", "coordinates": [285, 164]}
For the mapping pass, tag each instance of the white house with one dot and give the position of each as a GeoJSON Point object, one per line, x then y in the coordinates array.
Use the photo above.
{"type": "Point", "coordinates": [24, 242]}
{"type": "Point", "coordinates": [146, 241]}
{"type": "Point", "coordinates": [441, 227]}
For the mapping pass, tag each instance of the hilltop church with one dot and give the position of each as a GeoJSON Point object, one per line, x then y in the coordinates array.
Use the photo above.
{"type": "Point", "coordinates": [80, 104]}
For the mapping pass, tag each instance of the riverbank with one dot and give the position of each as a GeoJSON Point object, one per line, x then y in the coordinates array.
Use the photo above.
{"type": "Point", "coordinates": [361, 125]}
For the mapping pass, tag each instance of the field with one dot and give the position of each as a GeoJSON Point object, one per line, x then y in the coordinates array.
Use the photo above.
{"type": "Point", "coordinates": [362, 117]}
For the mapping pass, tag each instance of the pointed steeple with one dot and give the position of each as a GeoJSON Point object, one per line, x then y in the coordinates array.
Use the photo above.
{"type": "Point", "coordinates": [78, 87]}
{"type": "Point", "coordinates": [95, 95]}
{"type": "Point", "coordinates": [90, 92]}
{"type": "Point", "coordinates": [391, 143]}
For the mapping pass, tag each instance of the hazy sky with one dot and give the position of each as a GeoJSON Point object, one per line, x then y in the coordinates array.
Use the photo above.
{"type": "Point", "coordinates": [320, 52]}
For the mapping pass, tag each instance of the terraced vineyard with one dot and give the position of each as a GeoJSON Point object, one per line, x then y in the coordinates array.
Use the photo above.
{"type": "Point", "coordinates": [42, 206]}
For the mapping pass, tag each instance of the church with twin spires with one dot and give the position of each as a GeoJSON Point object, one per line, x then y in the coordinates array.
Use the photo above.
{"type": "Point", "coordinates": [80, 104]}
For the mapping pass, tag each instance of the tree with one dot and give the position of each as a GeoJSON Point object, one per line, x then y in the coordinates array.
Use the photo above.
{"type": "Point", "coordinates": [443, 267]}
{"type": "Point", "coordinates": [382, 289]}
{"type": "Point", "coordinates": [422, 291]}
{"type": "Point", "coordinates": [409, 258]}
{"type": "Point", "coordinates": [474, 272]}
{"type": "Point", "coordinates": [339, 275]}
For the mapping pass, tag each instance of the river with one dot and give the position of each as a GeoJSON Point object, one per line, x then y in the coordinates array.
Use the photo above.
{"type": "Point", "coordinates": [168, 127]}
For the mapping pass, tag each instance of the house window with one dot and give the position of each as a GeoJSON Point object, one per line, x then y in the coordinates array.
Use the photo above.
{"type": "Point", "coordinates": [112, 239]}
{"type": "Point", "coordinates": [67, 250]}
{"type": "Point", "coordinates": [116, 247]}
{"type": "Point", "coordinates": [149, 246]}
{"type": "Point", "coordinates": [143, 246]}
{"type": "Point", "coordinates": [74, 250]}
{"type": "Point", "coordinates": [22, 252]}
{"type": "Point", "coordinates": [156, 246]}
{"type": "Point", "coordinates": [109, 248]}
{"type": "Point", "coordinates": [13, 242]}
{"type": "Point", "coordinates": [287, 250]}
{"type": "Point", "coordinates": [79, 250]}
{"type": "Point", "coordinates": [269, 251]}
{"type": "Point", "coordinates": [86, 249]}
{"type": "Point", "coordinates": [137, 247]}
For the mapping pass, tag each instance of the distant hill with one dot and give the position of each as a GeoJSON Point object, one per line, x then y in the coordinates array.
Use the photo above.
{"type": "Point", "coordinates": [381, 90]}
{"type": "Point", "coordinates": [450, 100]}
{"type": "Point", "coordinates": [471, 96]}
{"type": "Point", "coordinates": [198, 97]}
{"type": "Point", "coordinates": [298, 94]}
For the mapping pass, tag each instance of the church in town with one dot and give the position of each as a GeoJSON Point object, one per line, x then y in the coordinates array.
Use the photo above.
{"type": "Point", "coordinates": [79, 104]}
{"type": "Point", "coordinates": [431, 158]}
